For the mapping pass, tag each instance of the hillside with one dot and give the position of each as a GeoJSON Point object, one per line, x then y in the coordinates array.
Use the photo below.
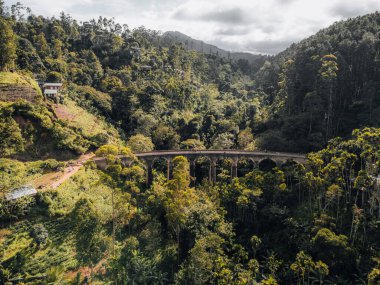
{"type": "Point", "coordinates": [128, 91]}
{"type": "Point", "coordinates": [12, 78]}
{"type": "Point", "coordinates": [31, 131]}
{"type": "Point", "coordinates": [33, 127]}
{"type": "Point", "coordinates": [14, 86]}
{"type": "Point", "coordinates": [324, 86]}
{"type": "Point", "coordinates": [165, 93]}
{"type": "Point", "coordinates": [249, 62]}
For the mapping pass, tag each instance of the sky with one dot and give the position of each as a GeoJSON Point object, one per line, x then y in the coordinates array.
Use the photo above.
{"type": "Point", "coordinates": [257, 26]}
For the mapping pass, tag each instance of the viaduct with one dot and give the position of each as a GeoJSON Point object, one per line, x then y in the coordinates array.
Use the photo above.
{"type": "Point", "coordinates": [213, 156]}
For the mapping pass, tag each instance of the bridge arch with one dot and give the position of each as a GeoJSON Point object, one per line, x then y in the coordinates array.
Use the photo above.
{"type": "Point", "coordinates": [267, 164]}
{"type": "Point", "coordinates": [245, 165]}
{"type": "Point", "coordinates": [290, 162]}
{"type": "Point", "coordinates": [200, 167]}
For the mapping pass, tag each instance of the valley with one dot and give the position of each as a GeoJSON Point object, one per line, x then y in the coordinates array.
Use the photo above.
{"type": "Point", "coordinates": [131, 156]}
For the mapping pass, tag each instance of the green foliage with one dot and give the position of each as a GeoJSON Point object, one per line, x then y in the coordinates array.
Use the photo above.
{"type": "Point", "coordinates": [165, 138]}
{"type": "Point", "coordinates": [7, 45]}
{"type": "Point", "coordinates": [269, 281]}
{"type": "Point", "coordinates": [139, 81]}
{"type": "Point", "coordinates": [54, 77]}
{"type": "Point", "coordinates": [133, 267]}
{"type": "Point", "coordinates": [316, 223]}
{"type": "Point", "coordinates": [293, 225]}
{"type": "Point", "coordinates": [223, 141]}
{"type": "Point", "coordinates": [304, 265]}
{"type": "Point", "coordinates": [315, 96]}
{"type": "Point", "coordinates": [192, 144]}
{"type": "Point", "coordinates": [181, 173]}
{"type": "Point", "coordinates": [36, 123]}
{"type": "Point", "coordinates": [140, 143]}
{"type": "Point", "coordinates": [255, 242]}
{"type": "Point", "coordinates": [374, 275]}
{"type": "Point", "coordinates": [14, 209]}
{"type": "Point", "coordinates": [329, 67]}
{"type": "Point", "coordinates": [21, 78]}
{"type": "Point", "coordinates": [10, 136]}
{"type": "Point", "coordinates": [91, 99]}
{"type": "Point", "coordinates": [245, 139]}
{"type": "Point", "coordinates": [106, 150]}
{"type": "Point", "coordinates": [39, 234]}
{"type": "Point", "coordinates": [336, 248]}
{"type": "Point", "coordinates": [89, 243]}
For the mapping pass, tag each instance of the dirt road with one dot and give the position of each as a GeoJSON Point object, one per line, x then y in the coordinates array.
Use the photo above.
{"type": "Point", "coordinates": [54, 180]}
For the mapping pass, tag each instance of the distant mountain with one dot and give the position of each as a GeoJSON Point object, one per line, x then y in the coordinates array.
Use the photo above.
{"type": "Point", "coordinates": [200, 46]}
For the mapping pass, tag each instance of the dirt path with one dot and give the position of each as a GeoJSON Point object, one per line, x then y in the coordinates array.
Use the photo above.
{"type": "Point", "coordinates": [61, 112]}
{"type": "Point", "coordinates": [55, 179]}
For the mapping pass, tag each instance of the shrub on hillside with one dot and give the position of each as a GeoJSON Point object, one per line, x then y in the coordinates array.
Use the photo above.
{"type": "Point", "coordinates": [39, 234]}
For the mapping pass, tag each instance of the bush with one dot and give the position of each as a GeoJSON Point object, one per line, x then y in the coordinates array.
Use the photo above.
{"type": "Point", "coordinates": [12, 210]}
{"type": "Point", "coordinates": [54, 76]}
{"type": "Point", "coordinates": [140, 143]}
{"type": "Point", "coordinates": [39, 234]}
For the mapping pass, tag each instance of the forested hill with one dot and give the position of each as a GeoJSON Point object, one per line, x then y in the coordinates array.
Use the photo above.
{"type": "Point", "coordinates": [200, 46]}
{"type": "Point", "coordinates": [324, 86]}
{"type": "Point", "coordinates": [63, 220]}
{"type": "Point", "coordinates": [167, 93]}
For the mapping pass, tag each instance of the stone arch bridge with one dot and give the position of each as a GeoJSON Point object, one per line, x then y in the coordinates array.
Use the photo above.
{"type": "Point", "coordinates": [212, 155]}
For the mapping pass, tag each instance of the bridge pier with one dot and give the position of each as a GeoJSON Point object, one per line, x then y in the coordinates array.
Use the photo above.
{"type": "Point", "coordinates": [126, 162]}
{"type": "Point", "coordinates": [149, 172]}
{"type": "Point", "coordinates": [234, 167]}
{"type": "Point", "coordinates": [192, 171]}
{"type": "Point", "coordinates": [168, 165]}
{"type": "Point", "coordinates": [212, 171]}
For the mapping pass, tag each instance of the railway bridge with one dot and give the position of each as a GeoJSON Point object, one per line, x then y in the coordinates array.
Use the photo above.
{"type": "Point", "coordinates": [212, 155]}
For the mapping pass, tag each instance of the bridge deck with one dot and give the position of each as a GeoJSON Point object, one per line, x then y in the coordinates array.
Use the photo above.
{"type": "Point", "coordinates": [216, 152]}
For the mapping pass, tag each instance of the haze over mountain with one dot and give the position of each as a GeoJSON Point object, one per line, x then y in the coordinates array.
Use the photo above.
{"type": "Point", "coordinates": [201, 46]}
{"type": "Point", "coordinates": [256, 26]}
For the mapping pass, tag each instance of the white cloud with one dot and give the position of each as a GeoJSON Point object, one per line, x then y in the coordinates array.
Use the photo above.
{"type": "Point", "coordinates": [257, 26]}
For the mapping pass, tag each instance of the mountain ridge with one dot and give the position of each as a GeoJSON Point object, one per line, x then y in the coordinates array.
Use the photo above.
{"type": "Point", "coordinates": [201, 46]}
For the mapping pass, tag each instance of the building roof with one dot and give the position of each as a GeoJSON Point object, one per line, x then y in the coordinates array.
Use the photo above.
{"type": "Point", "coordinates": [22, 191]}
{"type": "Point", "coordinates": [46, 84]}
{"type": "Point", "coordinates": [145, 67]}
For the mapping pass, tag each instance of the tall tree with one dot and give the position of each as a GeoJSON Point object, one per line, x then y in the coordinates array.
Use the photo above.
{"type": "Point", "coordinates": [2, 9]}
{"type": "Point", "coordinates": [88, 232]}
{"type": "Point", "coordinates": [7, 45]}
{"type": "Point", "coordinates": [328, 73]}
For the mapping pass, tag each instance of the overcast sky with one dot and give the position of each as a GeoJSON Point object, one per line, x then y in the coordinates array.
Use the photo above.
{"type": "Point", "coordinates": [259, 26]}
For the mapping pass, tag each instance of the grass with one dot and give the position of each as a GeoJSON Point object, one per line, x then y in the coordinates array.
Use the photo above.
{"type": "Point", "coordinates": [12, 78]}
{"type": "Point", "coordinates": [80, 118]}
{"type": "Point", "coordinates": [14, 173]}
{"type": "Point", "coordinates": [4, 233]}
{"type": "Point", "coordinates": [19, 243]}
{"type": "Point", "coordinates": [59, 252]}
{"type": "Point", "coordinates": [86, 183]}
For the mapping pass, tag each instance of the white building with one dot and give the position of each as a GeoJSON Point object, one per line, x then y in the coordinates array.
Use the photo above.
{"type": "Point", "coordinates": [26, 190]}
{"type": "Point", "coordinates": [52, 89]}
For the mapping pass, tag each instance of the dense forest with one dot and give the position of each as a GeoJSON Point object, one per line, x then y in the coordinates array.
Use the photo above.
{"type": "Point", "coordinates": [132, 90]}
{"type": "Point", "coordinates": [152, 88]}
{"type": "Point", "coordinates": [325, 86]}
